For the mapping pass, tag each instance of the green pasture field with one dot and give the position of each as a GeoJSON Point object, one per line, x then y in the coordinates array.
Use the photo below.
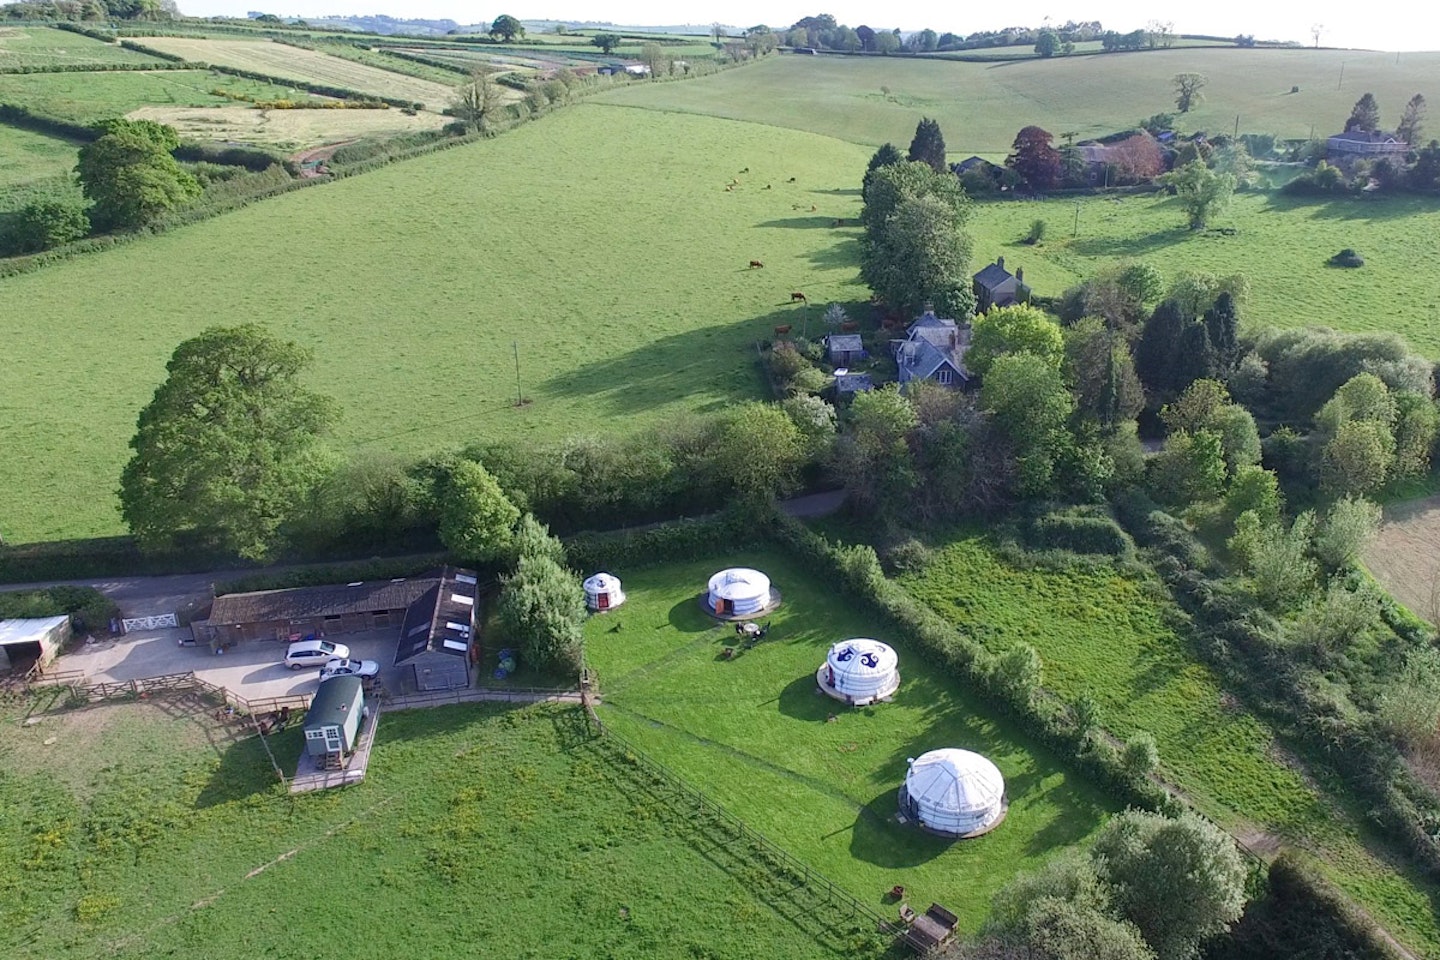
{"type": "Point", "coordinates": [1019, 52]}
{"type": "Point", "coordinates": [980, 107]}
{"type": "Point", "coordinates": [1100, 634]}
{"type": "Point", "coordinates": [598, 241]}
{"type": "Point", "coordinates": [147, 830]}
{"type": "Point", "coordinates": [48, 47]}
{"type": "Point", "coordinates": [26, 156]}
{"type": "Point", "coordinates": [1280, 243]}
{"type": "Point", "coordinates": [753, 733]}
{"type": "Point", "coordinates": [87, 97]}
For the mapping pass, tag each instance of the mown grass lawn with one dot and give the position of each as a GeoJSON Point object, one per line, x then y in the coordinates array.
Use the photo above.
{"type": "Point", "coordinates": [48, 47]}
{"type": "Point", "coordinates": [599, 241]}
{"type": "Point", "coordinates": [480, 830]}
{"type": "Point", "coordinates": [1281, 244]}
{"type": "Point", "coordinates": [1102, 634]}
{"type": "Point", "coordinates": [753, 733]}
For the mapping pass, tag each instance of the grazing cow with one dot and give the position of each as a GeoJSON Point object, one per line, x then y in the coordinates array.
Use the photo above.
{"type": "Point", "coordinates": [729, 188]}
{"type": "Point", "coordinates": [798, 298]}
{"type": "Point", "coordinates": [791, 180]}
{"type": "Point", "coordinates": [755, 264]}
{"type": "Point", "coordinates": [767, 186]}
{"type": "Point", "coordinates": [746, 170]}
{"type": "Point", "coordinates": [840, 223]}
{"type": "Point", "coordinates": [781, 331]}
{"type": "Point", "coordinates": [812, 208]}
{"type": "Point", "coordinates": [849, 326]}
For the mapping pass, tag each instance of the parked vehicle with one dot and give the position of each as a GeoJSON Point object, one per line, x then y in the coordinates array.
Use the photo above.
{"type": "Point", "coordinates": [314, 653]}
{"type": "Point", "coordinates": [349, 668]}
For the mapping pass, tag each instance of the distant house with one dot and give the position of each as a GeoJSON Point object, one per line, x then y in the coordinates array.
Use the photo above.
{"type": "Point", "coordinates": [439, 632]}
{"type": "Point", "coordinates": [1343, 149]}
{"type": "Point", "coordinates": [970, 163]}
{"type": "Point", "coordinates": [843, 349]}
{"type": "Point", "coordinates": [807, 51]}
{"type": "Point", "coordinates": [997, 287]}
{"type": "Point", "coordinates": [637, 69]}
{"type": "Point", "coordinates": [933, 349]}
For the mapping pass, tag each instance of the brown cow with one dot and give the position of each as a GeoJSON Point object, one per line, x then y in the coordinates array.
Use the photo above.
{"type": "Point", "coordinates": [755, 263]}
{"type": "Point", "coordinates": [798, 298]}
{"type": "Point", "coordinates": [791, 180]}
{"type": "Point", "coordinates": [781, 331]}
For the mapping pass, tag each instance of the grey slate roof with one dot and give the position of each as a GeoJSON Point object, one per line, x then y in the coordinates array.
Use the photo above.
{"type": "Point", "coordinates": [303, 603]}
{"type": "Point", "coordinates": [993, 276]}
{"type": "Point", "coordinates": [843, 342]}
{"type": "Point", "coordinates": [442, 620]}
{"type": "Point", "coordinates": [968, 164]}
{"type": "Point", "coordinates": [933, 342]}
{"type": "Point", "coordinates": [854, 383]}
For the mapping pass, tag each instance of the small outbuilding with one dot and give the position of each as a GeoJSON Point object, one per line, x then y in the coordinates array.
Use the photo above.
{"type": "Point", "coordinates": [740, 592]}
{"type": "Point", "coordinates": [602, 592]}
{"type": "Point", "coordinates": [332, 724]}
{"type": "Point", "coordinates": [953, 793]}
{"type": "Point", "coordinates": [843, 349]}
{"type": "Point", "coordinates": [437, 640]}
{"type": "Point", "coordinates": [28, 642]}
{"type": "Point", "coordinates": [859, 671]}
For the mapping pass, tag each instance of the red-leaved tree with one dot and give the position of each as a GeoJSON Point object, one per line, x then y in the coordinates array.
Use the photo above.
{"type": "Point", "coordinates": [1034, 159]}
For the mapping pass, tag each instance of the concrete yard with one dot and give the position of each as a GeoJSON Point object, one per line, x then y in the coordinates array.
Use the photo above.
{"type": "Point", "coordinates": [251, 670]}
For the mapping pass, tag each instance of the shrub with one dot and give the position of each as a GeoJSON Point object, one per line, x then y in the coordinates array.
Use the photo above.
{"type": "Point", "coordinates": [43, 224]}
{"type": "Point", "coordinates": [89, 609]}
{"type": "Point", "coordinates": [1037, 232]}
{"type": "Point", "coordinates": [1347, 258]}
{"type": "Point", "coordinates": [543, 608]}
{"type": "Point", "coordinates": [1080, 534]}
{"type": "Point", "coordinates": [1342, 536]}
{"type": "Point", "coordinates": [907, 556]}
{"type": "Point", "coordinates": [1140, 757]}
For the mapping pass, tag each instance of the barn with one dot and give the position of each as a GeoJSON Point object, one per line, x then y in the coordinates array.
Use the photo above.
{"type": "Point", "coordinates": [25, 643]}
{"type": "Point", "coordinates": [438, 635]}
{"type": "Point", "coordinates": [332, 724]}
{"type": "Point", "coordinates": [301, 612]}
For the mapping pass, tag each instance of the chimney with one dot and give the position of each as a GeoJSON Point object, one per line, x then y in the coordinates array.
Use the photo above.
{"type": "Point", "coordinates": [1020, 274]}
{"type": "Point", "coordinates": [1000, 262]}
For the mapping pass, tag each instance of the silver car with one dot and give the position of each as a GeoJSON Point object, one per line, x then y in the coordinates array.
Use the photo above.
{"type": "Point", "coordinates": [313, 653]}
{"type": "Point", "coordinates": [349, 668]}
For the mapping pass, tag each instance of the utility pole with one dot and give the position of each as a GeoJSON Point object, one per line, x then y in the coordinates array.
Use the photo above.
{"type": "Point", "coordinates": [1342, 76]}
{"type": "Point", "coordinates": [1237, 126]}
{"type": "Point", "coordinates": [1075, 231]}
{"type": "Point", "coordinates": [519, 395]}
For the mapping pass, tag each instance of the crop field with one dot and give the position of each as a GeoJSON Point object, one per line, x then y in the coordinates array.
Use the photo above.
{"type": "Point", "coordinates": [1403, 556]}
{"type": "Point", "coordinates": [1280, 243]}
{"type": "Point", "coordinates": [981, 106]}
{"type": "Point", "coordinates": [145, 830]}
{"type": "Point", "coordinates": [26, 156]}
{"type": "Point", "coordinates": [1099, 634]}
{"type": "Point", "coordinates": [286, 129]}
{"type": "Point", "coordinates": [417, 284]}
{"type": "Point", "coordinates": [48, 47]}
{"type": "Point", "coordinates": [87, 97]}
{"type": "Point", "coordinates": [814, 776]}
{"type": "Point", "coordinates": [279, 60]}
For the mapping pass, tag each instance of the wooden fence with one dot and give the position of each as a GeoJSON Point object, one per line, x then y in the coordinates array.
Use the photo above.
{"type": "Point", "coordinates": [130, 689]}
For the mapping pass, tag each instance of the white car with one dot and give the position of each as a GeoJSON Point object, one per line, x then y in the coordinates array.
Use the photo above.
{"type": "Point", "coordinates": [349, 668]}
{"type": "Point", "coordinates": [313, 653]}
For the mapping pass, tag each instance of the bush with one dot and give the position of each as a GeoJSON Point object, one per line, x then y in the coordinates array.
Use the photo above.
{"type": "Point", "coordinates": [1037, 232]}
{"type": "Point", "coordinates": [1080, 534]}
{"type": "Point", "coordinates": [1347, 258]}
{"type": "Point", "coordinates": [43, 224]}
{"type": "Point", "coordinates": [90, 610]}
{"type": "Point", "coordinates": [543, 609]}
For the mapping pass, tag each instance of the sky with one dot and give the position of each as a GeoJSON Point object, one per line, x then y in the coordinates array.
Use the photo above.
{"type": "Point", "coordinates": [1344, 24]}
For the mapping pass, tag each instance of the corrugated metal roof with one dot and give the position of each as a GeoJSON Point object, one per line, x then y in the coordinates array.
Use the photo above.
{"type": "Point", "coordinates": [303, 603]}
{"type": "Point", "coordinates": [27, 630]}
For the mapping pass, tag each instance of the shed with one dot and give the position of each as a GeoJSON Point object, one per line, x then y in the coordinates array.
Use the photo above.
{"type": "Point", "coordinates": [301, 612]}
{"type": "Point", "coordinates": [848, 384]}
{"type": "Point", "coordinates": [602, 592]}
{"type": "Point", "coordinates": [859, 671]}
{"type": "Point", "coordinates": [438, 636]}
{"type": "Point", "coordinates": [954, 793]}
{"type": "Point", "coordinates": [844, 349]}
{"type": "Point", "coordinates": [25, 643]}
{"type": "Point", "coordinates": [333, 720]}
{"type": "Point", "coordinates": [739, 592]}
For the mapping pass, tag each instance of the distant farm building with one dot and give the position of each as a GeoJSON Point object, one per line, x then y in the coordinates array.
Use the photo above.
{"type": "Point", "coordinates": [438, 635]}
{"type": "Point", "coordinates": [997, 287]}
{"type": "Point", "coordinates": [848, 384]}
{"type": "Point", "coordinates": [933, 349]}
{"type": "Point", "coordinates": [954, 793]}
{"type": "Point", "coordinates": [302, 612]}
{"type": "Point", "coordinates": [1344, 149]}
{"type": "Point", "coordinates": [859, 671]}
{"type": "Point", "coordinates": [602, 592]}
{"type": "Point", "coordinates": [30, 642]}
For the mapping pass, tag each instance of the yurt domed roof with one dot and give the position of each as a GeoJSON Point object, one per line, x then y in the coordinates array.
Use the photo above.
{"type": "Point", "coordinates": [601, 583]}
{"type": "Point", "coordinates": [739, 583]}
{"type": "Point", "coordinates": [861, 657]}
{"type": "Point", "coordinates": [954, 781]}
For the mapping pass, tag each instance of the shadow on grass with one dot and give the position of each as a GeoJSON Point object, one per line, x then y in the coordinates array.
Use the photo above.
{"type": "Point", "coordinates": [879, 839]}
{"type": "Point", "coordinates": [1077, 819]}
{"type": "Point", "coordinates": [845, 252]}
{"type": "Point", "coordinates": [837, 192]}
{"type": "Point", "coordinates": [802, 700]}
{"type": "Point", "coordinates": [1128, 246]}
{"type": "Point", "coordinates": [1349, 208]}
{"type": "Point", "coordinates": [688, 616]}
{"type": "Point", "coordinates": [803, 223]}
{"type": "Point", "coordinates": [245, 770]}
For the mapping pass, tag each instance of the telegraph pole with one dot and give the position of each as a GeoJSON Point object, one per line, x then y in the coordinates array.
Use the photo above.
{"type": "Point", "coordinates": [519, 395]}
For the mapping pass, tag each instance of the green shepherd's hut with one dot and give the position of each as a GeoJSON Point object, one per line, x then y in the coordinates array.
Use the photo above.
{"type": "Point", "coordinates": [332, 723]}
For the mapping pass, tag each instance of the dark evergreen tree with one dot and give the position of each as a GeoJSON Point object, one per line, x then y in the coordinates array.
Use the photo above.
{"type": "Point", "coordinates": [929, 145]}
{"type": "Point", "coordinates": [1155, 354]}
{"type": "Point", "coordinates": [1222, 327]}
{"type": "Point", "coordinates": [1365, 115]}
{"type": "Point", "coordinates": [1195, 357]}
{"type": "Point", "coordinates": [887, 156]}
{"type": "Point", "coordinates": [1412, 120]}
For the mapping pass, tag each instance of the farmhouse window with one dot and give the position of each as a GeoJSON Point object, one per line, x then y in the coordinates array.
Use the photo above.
{"type": "Point", "coordinates": [944, 378]}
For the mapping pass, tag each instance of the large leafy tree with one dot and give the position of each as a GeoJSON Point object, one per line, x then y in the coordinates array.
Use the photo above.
{"type": "Point", "coordinates": [922, 257]}
{"type": "Point", "coordinates": [542, 609]}
{"type": "Point", "coordinates": [506, 28]}
{"type": "Point", "coordinates": [1034, 159]}
{"type": "Point", "coordinates": [1027, 397]}
{"type": "Point", "coordinates": [874, 455]}
{"type": "Point", "coordinates": [227, 446]}
{"type": "Point", "coordinates": [1179, 880]}
{"type": "Point", "coordinates": [1012, 330]}
{"type": "Point", "coordinates": [928, 145]}
{"type": "Point", "coordinates": [1102, 373]}
{"type": "Point", "coordinates": [758, 451]}
{"type": "Point", "coordinates": [1204, 193]}
{"type": "Point", "coordinates": [476, 101]}
{"type": "Point", "coordinates": [476, 518]}
{"type": "Point", "coordinates": [130, 176]}
{"type": "Point", "coordinates": [607, 42]}
{"type": "Point", "coordinates": [1187, 90]}
{"type": "Point", "coordinates": [887, 156]}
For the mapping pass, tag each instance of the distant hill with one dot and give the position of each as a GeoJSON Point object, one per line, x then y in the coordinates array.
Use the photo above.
{"type": "Point", "coordinates": [381, 24]}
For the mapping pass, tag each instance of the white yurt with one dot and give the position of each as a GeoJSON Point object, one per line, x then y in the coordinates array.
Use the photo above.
{"type": "Point", "coordinates": [955, 793]}
{"type": "Point", "coordinates": [859, 671]}
{"type": "Point", "coordinates": [602, 592]}
{"type": "Point", "coordinates": [738, 592]}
